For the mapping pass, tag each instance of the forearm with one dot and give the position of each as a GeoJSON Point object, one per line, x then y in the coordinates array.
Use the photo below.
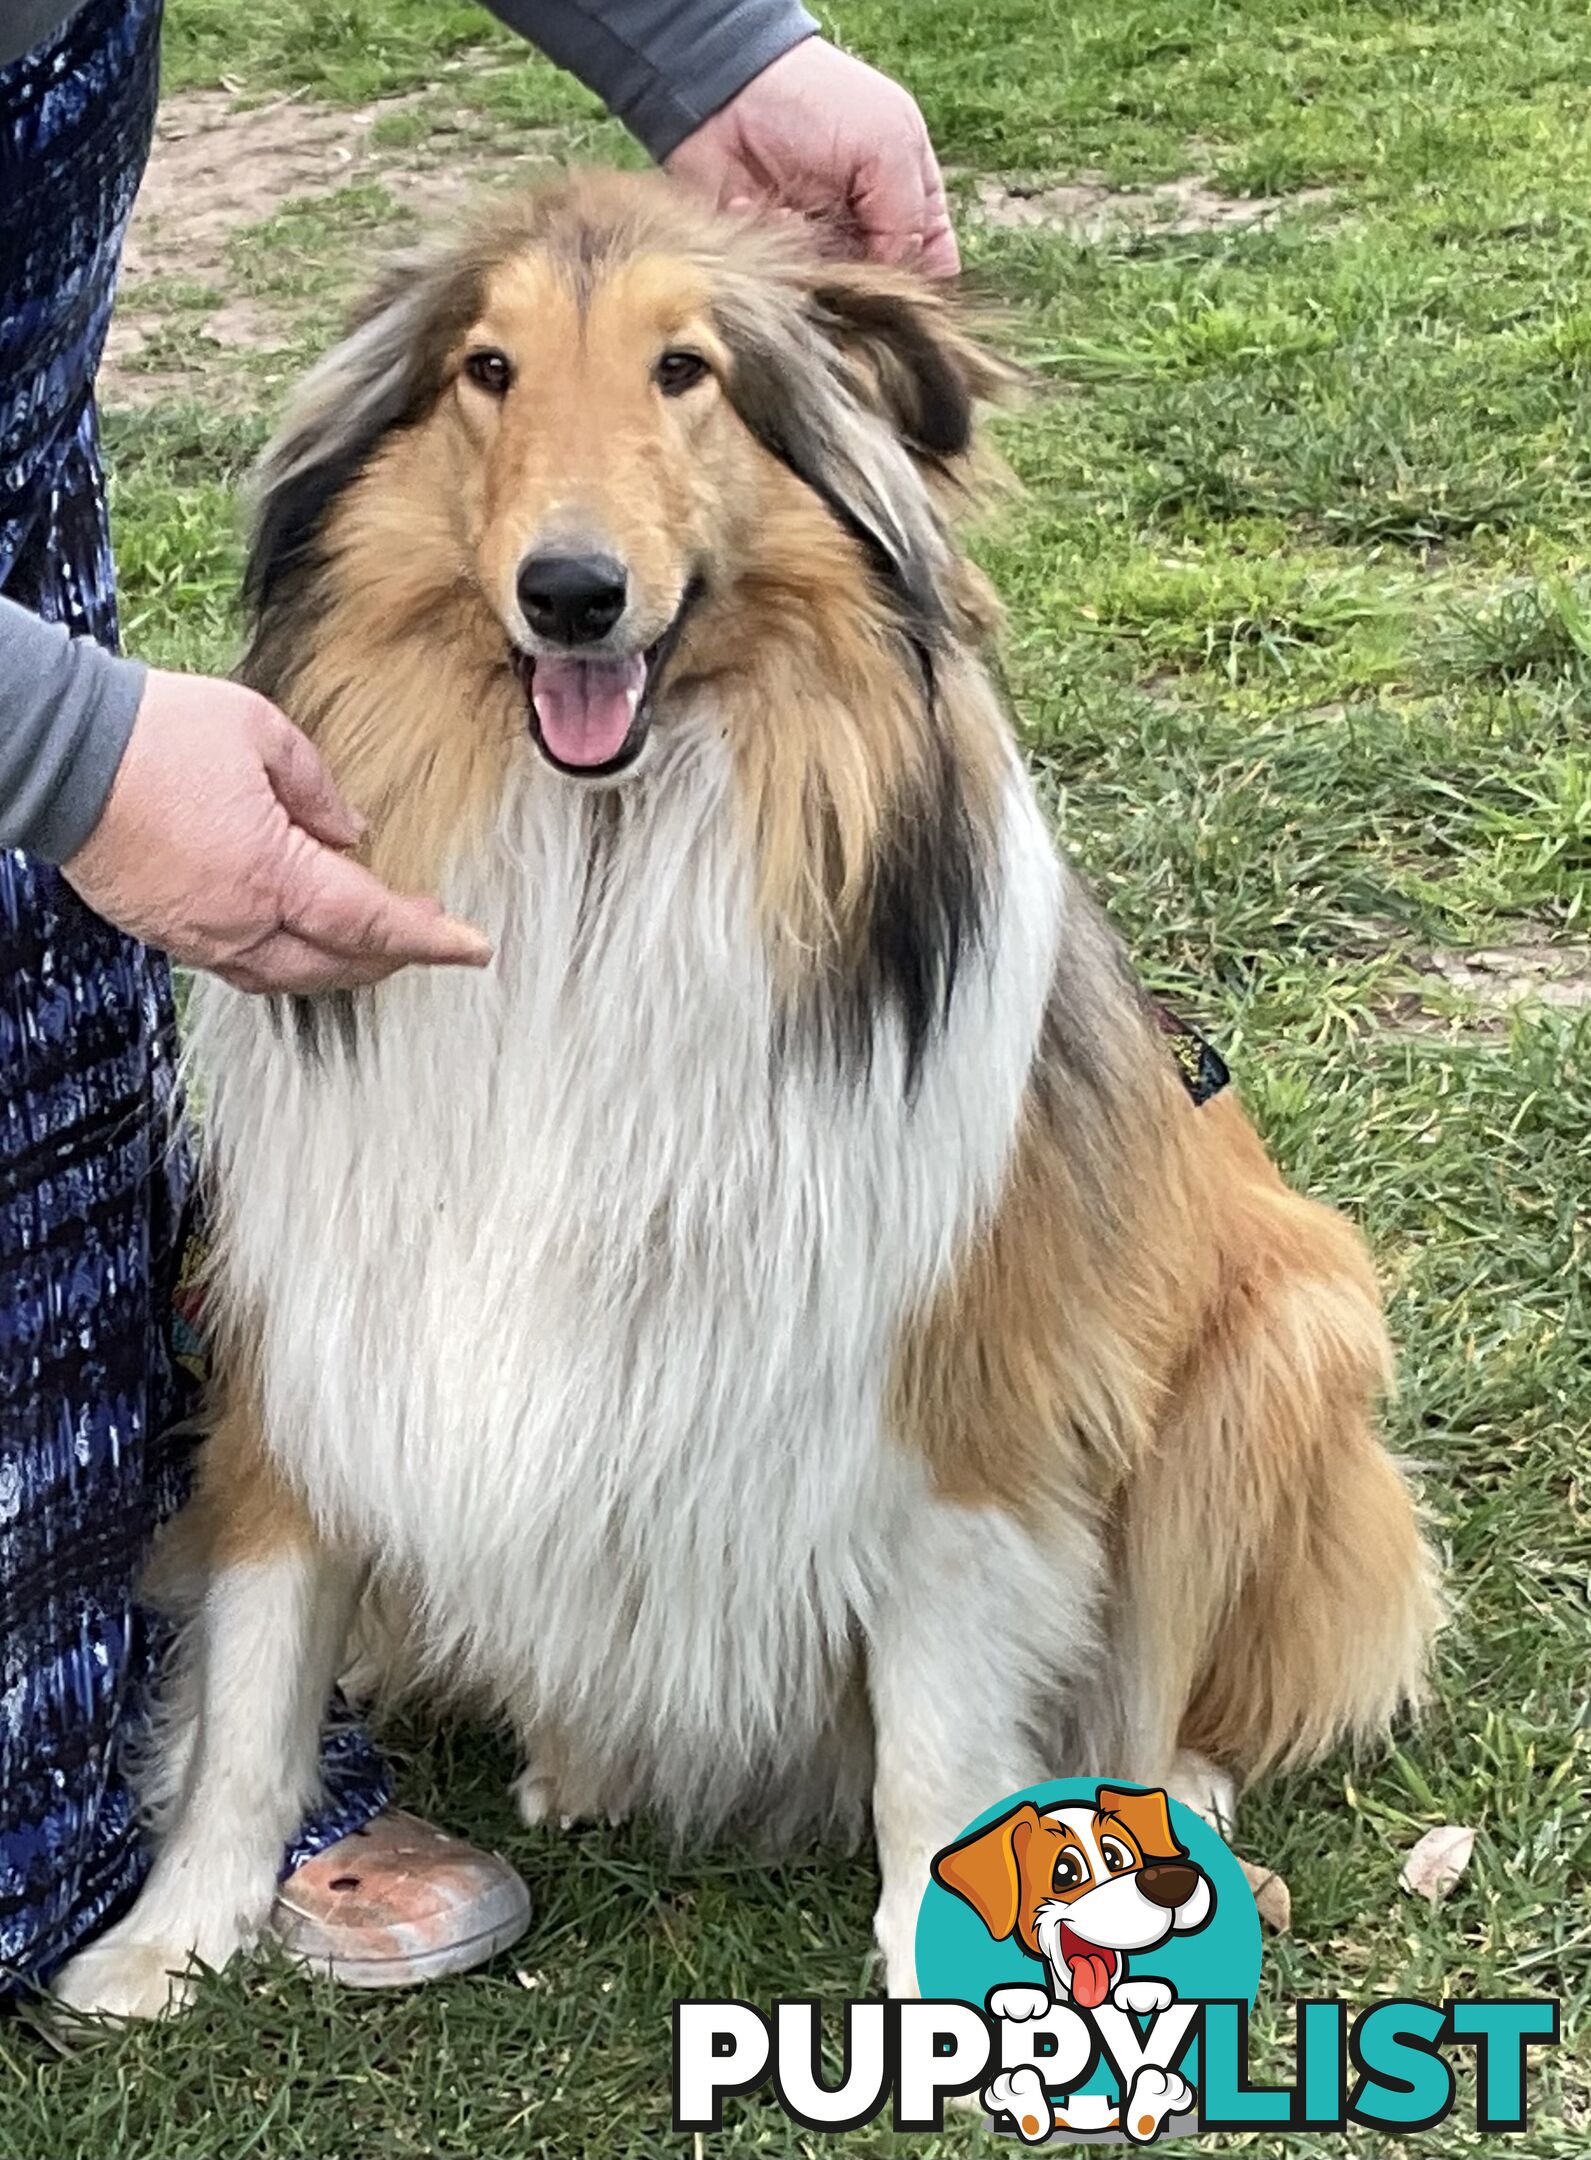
{"type": "Point", "coordinates": [66, 710]}
{"type": "Point", "coordinates": [661, 66]}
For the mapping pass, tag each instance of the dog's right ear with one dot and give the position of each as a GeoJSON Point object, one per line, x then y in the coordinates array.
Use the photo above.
{"type": "Point", "coordinates": [986, 1869]}
{"type": "Point", "coordinates": [384, 374]}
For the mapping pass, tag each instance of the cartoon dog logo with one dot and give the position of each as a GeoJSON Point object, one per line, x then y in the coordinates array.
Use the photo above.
{"type": "Point", "coordinates": [1082, 1889]}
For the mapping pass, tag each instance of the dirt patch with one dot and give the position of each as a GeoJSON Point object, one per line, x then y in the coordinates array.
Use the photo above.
{"type": "Point", "coordinates": [217, 168]}
{"type": "Point", "coordinates": [1502, 976]}
{"type": "Point", "coordinates": [1492, 982]}
{"type": "Point", "coordinates": [239, 325]}
{"type": "Point", "coordinates": [1088, 208]}
{"type": "Point", "coordinates": [214, 168]}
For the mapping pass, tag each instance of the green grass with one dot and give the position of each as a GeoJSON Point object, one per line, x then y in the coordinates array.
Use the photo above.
{"type": "Point", "coordinates": [1301, 639]}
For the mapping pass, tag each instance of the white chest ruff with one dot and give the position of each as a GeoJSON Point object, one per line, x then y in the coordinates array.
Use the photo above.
{"type": "Point", "coordinates": [577, 1312]}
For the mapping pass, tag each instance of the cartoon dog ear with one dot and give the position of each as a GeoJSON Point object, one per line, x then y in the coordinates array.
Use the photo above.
{"type": "Point", "coordinates": [986, 1869]}
{"type": "Point", "coordinates": [1147, 1816]}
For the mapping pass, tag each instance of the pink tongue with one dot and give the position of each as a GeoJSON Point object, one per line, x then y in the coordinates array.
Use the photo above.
{"type": "Point", "coordinates": [585, 707]}
{"type": "Point", "coordinates": [1091, 1971]}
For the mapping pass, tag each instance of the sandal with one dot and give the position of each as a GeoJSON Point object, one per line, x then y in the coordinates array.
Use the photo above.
{"type": "Point", "coordinates": [399, 1902]}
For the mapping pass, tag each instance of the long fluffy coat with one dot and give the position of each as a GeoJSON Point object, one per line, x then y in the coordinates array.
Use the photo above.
{"type": "Point", "coordinates": [784, 1335]}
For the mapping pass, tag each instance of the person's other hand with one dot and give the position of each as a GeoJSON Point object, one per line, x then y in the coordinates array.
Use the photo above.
{"type": "Point", "coordinates": [222, 840]}
{"type": "Point", "coordinates": [827, 137]}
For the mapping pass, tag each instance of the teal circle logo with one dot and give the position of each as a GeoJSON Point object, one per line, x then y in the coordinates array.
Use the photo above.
{"type": "Point", "coordinates": [1070, 1909]}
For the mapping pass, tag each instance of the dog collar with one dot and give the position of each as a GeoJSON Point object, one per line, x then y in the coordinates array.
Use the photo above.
{"type": "Point", "coordinates": [1200, 1066]}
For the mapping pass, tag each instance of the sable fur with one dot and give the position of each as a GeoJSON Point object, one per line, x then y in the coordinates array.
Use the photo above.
{"type": "Point", "coordinates": [782, 1336]}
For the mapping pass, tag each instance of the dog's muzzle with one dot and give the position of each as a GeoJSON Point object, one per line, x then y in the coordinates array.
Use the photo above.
{"type": "Point", "coordinates": [590, 713]}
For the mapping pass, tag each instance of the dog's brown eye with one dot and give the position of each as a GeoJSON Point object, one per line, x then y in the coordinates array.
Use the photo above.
{"type": "Point", "coordinates": [1068, 1870]}
{"type": "Point", "coordinates": [492, 371]}
{"type": "Point", "coordinates": [1116, 1857]}
{"type": "Point", "coordinates": [678, 371]}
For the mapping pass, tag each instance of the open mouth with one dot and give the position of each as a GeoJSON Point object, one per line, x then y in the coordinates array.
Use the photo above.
{"type": "Point", "coordinates": [1089, 1968]}
{"type": "Point", "coordinates": [590, 716]}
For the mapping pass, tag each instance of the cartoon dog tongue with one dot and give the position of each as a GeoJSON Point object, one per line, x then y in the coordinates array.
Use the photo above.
{"type": "Point", "coordinates": [1089, 1967]}
{"type": "Point", "coordinates": [585, 707]}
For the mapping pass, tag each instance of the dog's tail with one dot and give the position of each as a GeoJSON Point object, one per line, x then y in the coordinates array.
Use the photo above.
{"type": "Point", "coordinates": [1275, 1564]}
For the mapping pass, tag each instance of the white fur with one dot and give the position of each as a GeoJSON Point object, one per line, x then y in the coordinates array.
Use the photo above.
{"type": "Point", "coordinates": [574, 1318]}
{"type": "Point", "coordinates": [263, 1655]}
{"type": "Point", "coordinates": [578, 1320]}
{"type": "Point", "coordinates": [959, 1680]}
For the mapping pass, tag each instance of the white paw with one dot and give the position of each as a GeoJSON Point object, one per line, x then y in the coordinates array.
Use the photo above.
{"type": "Point", "coordinates": [1021, 2095]}
{"type": "Point", "coordinates": [151, 1962]}
{"type": "Point", "coordinates": [1152, 2098]}
{"type": "Point", "coordinates": [1143, 1997]}
{"type": "Point", "coordinates": [121, 1977]}
{"type": "Point", "coordinates": [1018, 2004]}
{"type": "Point", "coordinates": [1209, 1791]}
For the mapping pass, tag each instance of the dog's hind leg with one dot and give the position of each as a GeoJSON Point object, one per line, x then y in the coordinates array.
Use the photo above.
{"type": "Point", "coordinates": [1277, 1594]}
{"type": "Point", "coordinates": [961, 1661]}
{"type": "Point", "coordinates": [264, 1645]}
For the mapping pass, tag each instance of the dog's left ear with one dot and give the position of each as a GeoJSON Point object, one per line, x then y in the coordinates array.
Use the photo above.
{"type": "Point", "coordinates": [913, 355]}
{"type": "Point", "coordinates": [859, 382]}
{"type": "Point", "coordinates": [1148, 1816]}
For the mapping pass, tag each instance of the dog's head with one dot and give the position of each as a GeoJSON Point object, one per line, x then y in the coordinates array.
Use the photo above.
{"type": "Point", "coordinates": [607, 426]}
{"type": "Point", "coordinates": [1081, 1887]}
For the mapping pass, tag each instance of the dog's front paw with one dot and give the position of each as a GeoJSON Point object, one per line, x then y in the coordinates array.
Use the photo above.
{"type": "Point", "coordinates": [1144, 1998]}
{"type": "Point", "coordinates": [150, 1963]}
{"type": "Point", "coordinates": [1020, 2094]}
{"type": "Point", "coordinates": [123, 1977]}
{"type": "Point", "coordinates": [1152, 2099]}
{"type": "Point", "coordinates": [1018, 2004]}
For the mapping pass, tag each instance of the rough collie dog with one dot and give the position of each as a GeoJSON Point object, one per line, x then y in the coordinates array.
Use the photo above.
{"type": "Point", "coordinates": [784, 1334]}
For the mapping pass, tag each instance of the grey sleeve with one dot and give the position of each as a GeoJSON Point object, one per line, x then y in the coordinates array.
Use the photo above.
{"type": "Point", "coordinates": [660, 66]}
{"type": "Point", "coordinates": [66, 710]}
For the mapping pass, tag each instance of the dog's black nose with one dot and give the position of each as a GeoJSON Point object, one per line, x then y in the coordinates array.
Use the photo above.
{"type": "Point", "coordinates": [1168, 1883]}
{"type": "Point", "coordinates": [572, 599]}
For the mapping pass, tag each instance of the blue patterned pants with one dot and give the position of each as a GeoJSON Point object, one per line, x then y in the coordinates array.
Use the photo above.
{"type": "Point", "coordinates": [93, 1170]}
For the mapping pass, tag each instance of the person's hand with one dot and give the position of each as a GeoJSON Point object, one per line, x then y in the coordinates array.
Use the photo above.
{"type": "Point", "coordinates": [221, 842]}
{"type": "Point", "coordinates": [824, 136]}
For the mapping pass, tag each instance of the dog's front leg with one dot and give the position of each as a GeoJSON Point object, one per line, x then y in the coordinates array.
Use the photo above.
{"type": "Point", "coordinates": [957, 1664]}
{"type": "Point", "coordinates": [264, 1650]}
